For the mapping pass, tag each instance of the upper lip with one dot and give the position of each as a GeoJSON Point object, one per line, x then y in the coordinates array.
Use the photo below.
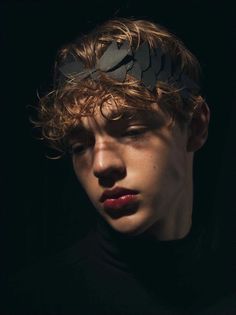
{"type": "Point", "coordinates": [116, 193]}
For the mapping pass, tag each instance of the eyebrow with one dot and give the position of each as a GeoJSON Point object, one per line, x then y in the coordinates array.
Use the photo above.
{"type": "Point", "coordinates": [127, 115]}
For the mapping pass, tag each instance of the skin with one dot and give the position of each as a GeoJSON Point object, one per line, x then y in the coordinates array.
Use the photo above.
{"type": "Point", "coordinates": [147, 154]}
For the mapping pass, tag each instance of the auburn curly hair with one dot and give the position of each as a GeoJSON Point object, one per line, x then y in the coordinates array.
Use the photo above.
{"type": "Point", "coordinates": [60, 110]}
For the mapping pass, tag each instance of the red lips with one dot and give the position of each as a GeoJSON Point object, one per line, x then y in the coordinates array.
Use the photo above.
{"type": "Point", "coordinates": [116, 193]}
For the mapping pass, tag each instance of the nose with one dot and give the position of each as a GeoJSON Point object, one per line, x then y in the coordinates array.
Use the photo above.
{"type": "Point", "coordinates": [107, 162]}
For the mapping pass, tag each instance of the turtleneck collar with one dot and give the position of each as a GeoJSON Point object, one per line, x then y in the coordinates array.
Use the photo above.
{"type": "Point", "coordinates": [165, 268]}
{"type": "Point", "coordinates": [130, 253]}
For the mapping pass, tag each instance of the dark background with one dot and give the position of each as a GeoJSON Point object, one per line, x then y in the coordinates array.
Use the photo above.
{"type": "Point", "coordinates": [43, 206]}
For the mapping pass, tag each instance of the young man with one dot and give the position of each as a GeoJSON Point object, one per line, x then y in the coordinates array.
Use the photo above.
{"type": "Point", "coordinates": [127, 106]}
{"type": "Point", "coordinates": [140, 71]}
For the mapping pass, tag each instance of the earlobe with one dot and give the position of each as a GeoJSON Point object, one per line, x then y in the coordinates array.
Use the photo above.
{"type": "Point", "coordinates": [198, 127]}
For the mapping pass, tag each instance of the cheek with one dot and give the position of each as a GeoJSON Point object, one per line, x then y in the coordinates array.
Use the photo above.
{"type": "Point", "coordinates": [161, 169]}
{"type": "Point", "coordinates": [150, 163]}
{"type": "Point", "coordinates": [81, 174]}
{"type": "Point", "coordinates": [88, 181]}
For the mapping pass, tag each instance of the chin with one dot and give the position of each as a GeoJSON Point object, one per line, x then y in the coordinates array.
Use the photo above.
{"type": "Point", "coordinates": [132, 224]}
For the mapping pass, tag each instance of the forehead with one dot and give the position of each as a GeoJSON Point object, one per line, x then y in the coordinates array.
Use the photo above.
{"type": "Point", "coordinates": [113, 117]}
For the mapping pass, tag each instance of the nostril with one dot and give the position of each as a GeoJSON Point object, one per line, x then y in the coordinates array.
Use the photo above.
{"type": "Point", "coordinates": [109, 172]}
{"type": "Point", "coordinates": [107, 182]}
{"type": "Point", "coordinates": [108, 163]}
{"type": "Point", "coordinates": [110, 178]}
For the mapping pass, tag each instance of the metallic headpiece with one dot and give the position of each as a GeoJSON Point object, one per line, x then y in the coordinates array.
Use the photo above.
{"type": "Point", "coordinates": [146, 66]}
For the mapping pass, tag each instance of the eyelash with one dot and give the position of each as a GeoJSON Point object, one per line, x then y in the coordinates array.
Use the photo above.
{"type": "Point", "coordinates": [132, 133]}
{"type": "Point", "coordinates": [77, 150]}
{"type": "Point", "coordinates": [135, 133]}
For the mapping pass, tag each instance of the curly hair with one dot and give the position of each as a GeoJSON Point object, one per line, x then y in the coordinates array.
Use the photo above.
{"type": "Point", "coordinates": [60, 110]}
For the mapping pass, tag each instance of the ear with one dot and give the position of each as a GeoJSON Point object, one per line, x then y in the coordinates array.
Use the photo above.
{"type": "Point", "coordinates": [198, 127]}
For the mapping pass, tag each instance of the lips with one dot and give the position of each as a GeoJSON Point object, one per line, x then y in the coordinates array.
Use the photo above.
{"type": "Point", "coordinates": [117, 193]}
{"type": "Point", "coordinates": [123, 203]}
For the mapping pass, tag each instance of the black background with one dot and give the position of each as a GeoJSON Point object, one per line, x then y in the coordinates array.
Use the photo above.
{"type": "Point", "coordinates": [43, 206]}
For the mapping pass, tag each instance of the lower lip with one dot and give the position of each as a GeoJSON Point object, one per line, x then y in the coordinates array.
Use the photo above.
{"type": "Point", "coordinates": [120, 203]}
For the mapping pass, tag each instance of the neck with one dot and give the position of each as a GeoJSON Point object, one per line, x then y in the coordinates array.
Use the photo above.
{"type": "Point", "coordinates": [178, 223]}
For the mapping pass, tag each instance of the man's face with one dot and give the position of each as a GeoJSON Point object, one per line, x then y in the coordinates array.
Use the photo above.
{"type": "Point", "coordinates": [142, 154]}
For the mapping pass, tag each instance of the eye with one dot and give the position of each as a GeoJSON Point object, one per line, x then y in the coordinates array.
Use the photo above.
{"type": "Point", "coordinates": [134, 132]}
{"type": "Point", "coordinates": [77, 149]}
{"type": "Point", "coordinates": [81, 145]}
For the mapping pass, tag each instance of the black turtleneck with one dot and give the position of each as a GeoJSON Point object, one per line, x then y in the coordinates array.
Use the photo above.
{"type": "Point", "coordinates": [114, 274]}
{"type": "Point", "coordinates": [145, 274]}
